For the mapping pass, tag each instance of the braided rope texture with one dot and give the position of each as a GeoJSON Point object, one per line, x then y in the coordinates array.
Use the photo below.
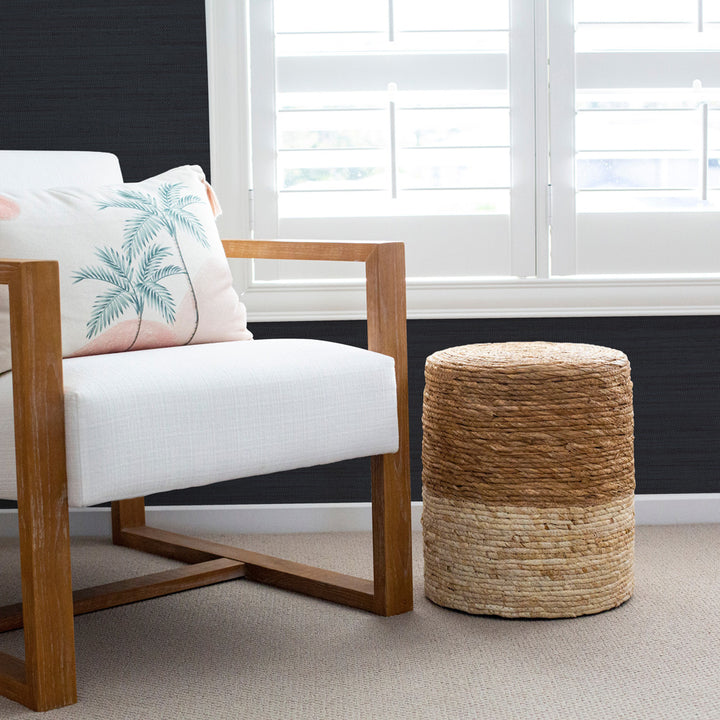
{"type": "Point", "coordinates": [528, 479]}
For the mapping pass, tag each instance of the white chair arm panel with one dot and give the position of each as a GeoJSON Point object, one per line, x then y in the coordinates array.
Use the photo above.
{"type": "Point", "coordinates": [39, 169]}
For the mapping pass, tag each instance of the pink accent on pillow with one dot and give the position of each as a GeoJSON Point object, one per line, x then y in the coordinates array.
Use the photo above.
{"type": "Point", "coordinates": [215, 305]}
{"type": "Point", "coordinates": [221, 313]}
{"type": "Point", "coordinates": [119, 337]}
{"type": "Point", "coordinates": [9, 209]}
{"type": "Point", "coordinates": [212, 199]}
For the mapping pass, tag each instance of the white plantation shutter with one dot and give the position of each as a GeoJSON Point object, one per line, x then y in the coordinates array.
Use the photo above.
{"type": "Point", "coordinates": [643, 79]}
{"type": "Point", "coordinates": [537, 157]}
{"type": "Point", "coordinates": [391, 120]}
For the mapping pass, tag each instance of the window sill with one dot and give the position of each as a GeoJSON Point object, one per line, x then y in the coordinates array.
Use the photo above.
{"type": "Point", "coordinates": [578, 296]}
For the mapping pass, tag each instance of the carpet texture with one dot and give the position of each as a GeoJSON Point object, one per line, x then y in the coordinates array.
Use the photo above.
{"type": "Point", "coordinates": [241, 650]}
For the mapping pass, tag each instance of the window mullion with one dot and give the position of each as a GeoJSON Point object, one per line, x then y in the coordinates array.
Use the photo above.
{"type": "Point", "coordinates": [561, 69]}
{"type": "Point", "coordinates": [542, 149]}
{"type": "Point", "coordinates": [521, 81]}
{"type": "Point", "coordinates": [264, 144]}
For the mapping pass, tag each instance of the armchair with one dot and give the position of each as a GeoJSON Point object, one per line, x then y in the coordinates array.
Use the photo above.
{"type": "Point", "coordinates": [55, 401]}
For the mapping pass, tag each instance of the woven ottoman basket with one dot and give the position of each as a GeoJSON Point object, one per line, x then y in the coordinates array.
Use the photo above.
{"type": "Point", "coordinates": [528, 479]}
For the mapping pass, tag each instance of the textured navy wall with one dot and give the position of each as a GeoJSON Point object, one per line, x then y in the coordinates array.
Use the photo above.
{"type": "Point", "coordinates": [127, 76]}
{"type": "Point", "coordinates": [130, 77]}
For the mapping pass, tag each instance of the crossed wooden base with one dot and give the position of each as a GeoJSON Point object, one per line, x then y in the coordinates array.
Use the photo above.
{"type": "Point", "coordinates": [44, 681]}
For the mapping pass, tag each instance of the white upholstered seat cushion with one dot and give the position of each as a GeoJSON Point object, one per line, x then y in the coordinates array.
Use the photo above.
{"type": "Point", "coordinates": [152, 420]}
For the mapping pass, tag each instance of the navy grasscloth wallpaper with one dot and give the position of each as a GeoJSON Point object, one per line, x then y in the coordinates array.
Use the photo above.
{"type": "Point", "coordinates": [130, 77]}
{"type": "Point", "coordinates": [125, 76]}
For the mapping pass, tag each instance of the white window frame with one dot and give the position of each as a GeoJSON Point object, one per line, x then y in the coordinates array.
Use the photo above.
{"type": "Point", "coordinates": [429, 297]}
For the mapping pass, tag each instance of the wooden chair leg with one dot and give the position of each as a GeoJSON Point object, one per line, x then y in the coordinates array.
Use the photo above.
{"type": "Point", "coordinates": [126, 514]}
{"type": "Point", "coordinates": [387, 334]}
{"type": "Point", "coordinates": [47, 605]}
{"type": "Point", "coordinates": [47, 677]}
{"type": "Point", "coordinates": [392, 539]}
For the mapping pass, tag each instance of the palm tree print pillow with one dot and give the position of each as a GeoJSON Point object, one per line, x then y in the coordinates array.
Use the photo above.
{"type": "Point", "coordinates": [141, 264]}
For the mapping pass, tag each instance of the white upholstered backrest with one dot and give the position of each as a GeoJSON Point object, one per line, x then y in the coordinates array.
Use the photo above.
{"type": "Point", "coordinates": [40, 169]}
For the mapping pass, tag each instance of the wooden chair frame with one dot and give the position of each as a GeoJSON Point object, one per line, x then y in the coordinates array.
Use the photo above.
{"type": "Point", "coordinates": [46, 679]}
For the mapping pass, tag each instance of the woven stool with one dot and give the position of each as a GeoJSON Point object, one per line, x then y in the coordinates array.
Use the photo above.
{"type": "Point", "coordinates": [528, 479]}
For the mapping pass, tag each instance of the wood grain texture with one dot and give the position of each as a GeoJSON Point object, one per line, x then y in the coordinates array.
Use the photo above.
{"type": "Point", "coordinates": [267, 569]}
{"type": "Point", "coordinates": [42, 485]}
{"type": "Point", "coordinates": [13, 683]}
{"type": "Point", "coordinates": [126, 513]}
{"type": "Point", "coordinates": [387, 334]}
{"type": "Point", "coordinates": [9, 270]}
{"type": "Point", "coordinates": [125, 522]}
{"type": "Point", "coordinates": [300, 250]}
{"type": "Point", "coordinates": [390, 485]}
{"type": "Point", "coordinates": [137, 589]}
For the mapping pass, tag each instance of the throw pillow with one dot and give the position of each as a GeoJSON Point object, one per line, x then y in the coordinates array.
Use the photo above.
{"type": "Point", "coordinates": [141, 264]}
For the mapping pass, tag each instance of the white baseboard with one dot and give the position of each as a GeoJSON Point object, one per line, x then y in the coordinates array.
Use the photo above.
{"type": "Point", "coordinates": [337, 517]}
{"type": "Point", "coordinates": [679, 509]}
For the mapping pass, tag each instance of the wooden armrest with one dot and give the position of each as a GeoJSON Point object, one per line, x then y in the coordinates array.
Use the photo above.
{"type": "Point", "coordinates": [385, 282]}
{"type": "Point", "coordinates": [349, 251]}
{"type": "Point", "coordinates": [9, 268]}
{"type": "Point", "coordinates": [34, 290]}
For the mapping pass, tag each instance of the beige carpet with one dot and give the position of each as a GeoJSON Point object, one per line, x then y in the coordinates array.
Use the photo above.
{"type": "Point", "coordinates": [241, 650]}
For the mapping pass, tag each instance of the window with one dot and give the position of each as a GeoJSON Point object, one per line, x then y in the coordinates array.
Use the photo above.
{"type": "Point", "coordinates": [536, 157]}
{"type": "Point", "coordinates": [388, 119]}
{"type": "Point", "coordinates": [643, 79]}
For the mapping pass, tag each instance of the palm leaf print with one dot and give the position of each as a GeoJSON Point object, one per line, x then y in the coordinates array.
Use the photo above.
{"type": "Point", "coordinates": [108, 307]}
{"type": "Point", "coordinates": [176, 217]}
{"type": "Point", "coordinates": [159, 297]}
{"type": "Point", "coordinates": [140, 231]}
{"type": "Point", "coordinates": [166, 271]}
{"type": "Point", "coordinates": [103, 274]}
{"type": "Point", "coordinates": [169, 193]}
{"type": "Point", "coordinates": [188, 222]}
{"type": "Point", "coordinates": [129, 200]}
{"type": "Point", "coordinates": [136, 274]}
{"type": "Point", "coordinates": [130, 288]}
{"type": "Point", "coordinates": [152, 258]}
{"type": "Point", "coordinates": [111, 304]}
{"type": "Point", "coordinates": [115, 262]}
